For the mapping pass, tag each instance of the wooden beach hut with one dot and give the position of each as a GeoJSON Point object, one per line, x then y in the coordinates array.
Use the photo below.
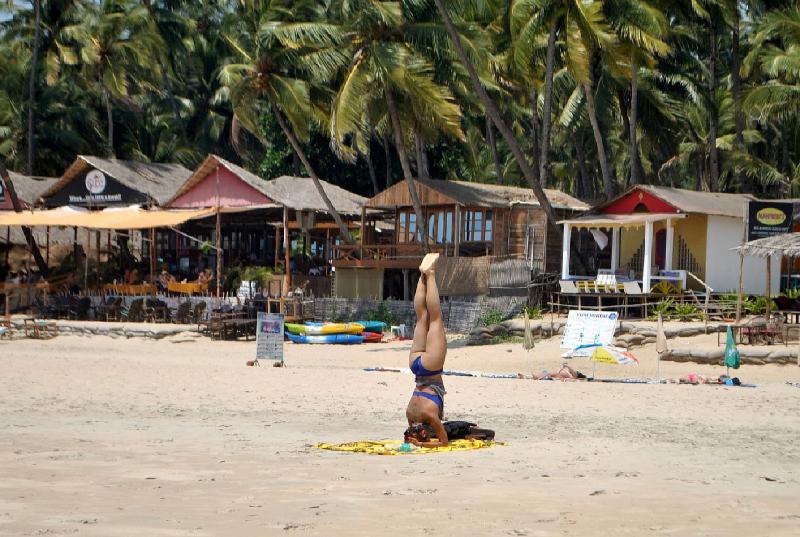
{"type": "Point", "coordinates": [256, 219]}
{"type": "Point", "coordinates": [670, 239]}
{"type": "Point", "coordinates": [477, 224]}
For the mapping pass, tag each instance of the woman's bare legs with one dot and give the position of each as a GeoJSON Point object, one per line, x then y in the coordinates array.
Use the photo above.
{"type": "Point", "coordinates": [418, 346]}
{"type": "Point", "coordinates": [435, 343]}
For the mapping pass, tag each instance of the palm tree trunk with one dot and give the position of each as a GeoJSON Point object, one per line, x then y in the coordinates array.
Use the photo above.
{"type": "Point", "coordinates": [37, 33]}
{"type": "Point", "coordinates": [422, 158]}
{"type": "Point", "coordinates": [371, 169]}
{"type": "Point", "coordinates": [635, 177]}
{"type": "Point", "coordinates": [31, 240]}
{"type": "Point", "coordinates": [387, 152]}
{"type": "Point", "coordinates": [608, 185]}
{"type": "Point", "coordinates": [400, 144]}
{"type": "Point", "coordinates": [110, 120]}
{"type": "Point", "coordinates": [548, 100]}
{"type": "Point", "coordinates": [494, 113]}
{"type": "Point", "coordinates": [586, 184]}
{"type": "Point", "coordinates": [713, 158]}
{"type": "Point", "coordinates": [498, 169]}
{"type": "Point", "coordinates": [736, 87]}
{"type": "Point", "coordinates": [343, 231]}
{"type": "Point", "coordinates": [534, 130]}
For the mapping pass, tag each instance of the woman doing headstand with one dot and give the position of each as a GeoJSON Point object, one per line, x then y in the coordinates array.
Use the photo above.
{"type": "Point", "coordinates": [426, 359]}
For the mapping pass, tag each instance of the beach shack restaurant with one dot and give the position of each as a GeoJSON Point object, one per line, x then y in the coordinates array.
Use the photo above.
{"type": "Point", "coordinates": [670, 239]}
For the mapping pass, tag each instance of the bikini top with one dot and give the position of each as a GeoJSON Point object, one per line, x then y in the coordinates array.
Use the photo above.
{"type": "Point", "coordinates": [419, 370]}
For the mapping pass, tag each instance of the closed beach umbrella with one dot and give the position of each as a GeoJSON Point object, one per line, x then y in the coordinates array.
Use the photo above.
{"type": "Point", "coordinates": [732, 358]}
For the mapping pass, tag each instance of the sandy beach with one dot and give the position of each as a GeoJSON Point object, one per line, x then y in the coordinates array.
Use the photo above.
{"type": "Point", "coordinates": [116, 437]}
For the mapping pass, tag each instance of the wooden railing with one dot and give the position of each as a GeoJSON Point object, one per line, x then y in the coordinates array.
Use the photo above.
{"type": "Point", "coordinates": [376, 252]}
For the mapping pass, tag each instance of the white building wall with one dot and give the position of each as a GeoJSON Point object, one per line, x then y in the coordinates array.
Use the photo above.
{"type": "Point", "coordinates": [722, 263]}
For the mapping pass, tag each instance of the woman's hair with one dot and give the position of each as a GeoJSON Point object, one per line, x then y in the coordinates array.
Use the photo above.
{"type": "Point", "coordinates": [419, 431]}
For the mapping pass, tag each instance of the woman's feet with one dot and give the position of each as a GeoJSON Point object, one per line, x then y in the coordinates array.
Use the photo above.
{"type": "Point", "coordinates": [428, 264]}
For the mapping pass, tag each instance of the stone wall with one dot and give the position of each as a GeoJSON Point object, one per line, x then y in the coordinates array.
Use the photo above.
{"type": "Point", "coordinates": [460, 316]}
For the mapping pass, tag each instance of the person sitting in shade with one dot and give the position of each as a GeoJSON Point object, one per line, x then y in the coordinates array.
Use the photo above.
{"type": "Point", "coordinates": [164, 278]}
{"type": "Point", "coordinates": [204, 276]}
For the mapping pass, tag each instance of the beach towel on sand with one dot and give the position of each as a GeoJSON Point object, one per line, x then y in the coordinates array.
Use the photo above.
{"type": "Point", "coordinates": [392, 447]}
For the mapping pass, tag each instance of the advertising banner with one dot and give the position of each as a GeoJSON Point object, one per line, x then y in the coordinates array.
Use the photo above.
{"type": "Point", "coordinates": [768, 218]}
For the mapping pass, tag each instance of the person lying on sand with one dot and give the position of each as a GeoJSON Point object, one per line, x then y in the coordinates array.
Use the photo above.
{"type": "Point", "coordinates": [426, 359]}
{"type": "Point", "coordinates": [694, 378]}
{"type": "Point", "coordinates": [565, 373]}
{"type": "Point", "coordinates": [420, 434]}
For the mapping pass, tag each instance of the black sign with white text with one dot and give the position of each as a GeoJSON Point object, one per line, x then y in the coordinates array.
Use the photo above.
{"type": "Point", "coordinates": [768, 218]}
{"type": "Point", "coordinates": [96, 189]}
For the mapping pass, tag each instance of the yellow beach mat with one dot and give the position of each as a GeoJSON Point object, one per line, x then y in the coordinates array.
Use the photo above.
{"type": "Point", "coordinates": [392, 447]}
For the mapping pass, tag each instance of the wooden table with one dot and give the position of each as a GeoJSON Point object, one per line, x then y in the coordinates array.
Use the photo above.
{"type": "Point", "coordinates": [40, 329]}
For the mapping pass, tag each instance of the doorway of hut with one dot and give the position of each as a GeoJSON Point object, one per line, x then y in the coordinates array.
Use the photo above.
{"type": "Point", "coordinates": [661, 248]}
{"type": "Point", "coordinates": [399, 284]}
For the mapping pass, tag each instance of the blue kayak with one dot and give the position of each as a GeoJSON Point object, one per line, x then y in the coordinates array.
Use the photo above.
{"type": "Point", "coordinates": [373, 326]}
{"type": "Point", "coordinates": [340, 339]}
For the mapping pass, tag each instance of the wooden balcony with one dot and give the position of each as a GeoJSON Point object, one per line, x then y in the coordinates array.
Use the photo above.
{"type": "Point", "coordinates": [397, 256]}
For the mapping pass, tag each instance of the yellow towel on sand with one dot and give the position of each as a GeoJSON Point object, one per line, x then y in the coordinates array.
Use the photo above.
{"type": "Point", "coordinates": [392, 447]}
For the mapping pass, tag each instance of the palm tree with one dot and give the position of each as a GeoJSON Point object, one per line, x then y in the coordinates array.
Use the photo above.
{"type": "Point", "coordinates": [120, 50]}
{"type": "Point", "coordinates": [776, 54]}
{"type": "Point", "coordinates": [387, 75]}
{"type": "Point", "coordinates": [276, 43]}
{"type": "Point", "coordinates": [494, 113]}
{"type": "Point", "coordinates": [641, 29]}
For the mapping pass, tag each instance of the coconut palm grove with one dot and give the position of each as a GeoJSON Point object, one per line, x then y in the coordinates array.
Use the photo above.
{"type": "Point", "coordinates": [590, 97]}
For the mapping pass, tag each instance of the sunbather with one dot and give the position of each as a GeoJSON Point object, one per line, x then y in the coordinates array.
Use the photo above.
{"type": "Point", "coordinates": [565, 373]}
{"type": "Point", "coordinates": [426, 360]}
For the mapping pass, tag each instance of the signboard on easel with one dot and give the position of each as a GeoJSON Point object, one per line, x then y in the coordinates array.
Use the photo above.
{"type": "Point", "coordinates": [269, 337]}
{"type": "Point", "coordinates": [586, 329]}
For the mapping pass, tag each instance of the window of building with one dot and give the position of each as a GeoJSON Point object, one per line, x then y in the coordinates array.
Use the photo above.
{"type": "Point", "coordinates": [478, 225]}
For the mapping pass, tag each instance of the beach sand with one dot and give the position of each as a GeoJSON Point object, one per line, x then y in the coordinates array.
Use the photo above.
{"type": "Point", "coordinates": [177, 437]}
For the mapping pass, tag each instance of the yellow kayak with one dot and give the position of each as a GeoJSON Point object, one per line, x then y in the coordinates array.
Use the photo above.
{"type": "Point", "coordinates": [325, 329]}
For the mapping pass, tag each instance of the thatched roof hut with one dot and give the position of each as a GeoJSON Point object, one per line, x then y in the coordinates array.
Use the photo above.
{"type": "Point", "coordinates": [787, 245]}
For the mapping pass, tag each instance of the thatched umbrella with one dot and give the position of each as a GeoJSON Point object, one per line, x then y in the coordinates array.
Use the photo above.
{"type": "Point", "coordinates": [786, 245]}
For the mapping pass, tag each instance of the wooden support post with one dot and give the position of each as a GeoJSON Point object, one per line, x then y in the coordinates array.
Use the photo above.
{"type": "Point", "coordinates": [769, 285]}
{"type": "Point", "coordinates": [47, 246]}
{"type": "Point", "coordinates": [287, 249]}
{"type": "Point", "coordinates": [219, 252]}
{"type": "Point", "coordinates": [745, 218]}
{"type": "Point", "coordinates": [97, 247]}
{"type": "Point", "coordinates": [277, 245]}
{"type": "Point", "coordinates": [8, 243]}
{"type": "Point", "coordinates": [363, 230]}
{"type": "Point", "coordinates": [457, 231]}
{"type": "Point", "coordinates": [152, 253]}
